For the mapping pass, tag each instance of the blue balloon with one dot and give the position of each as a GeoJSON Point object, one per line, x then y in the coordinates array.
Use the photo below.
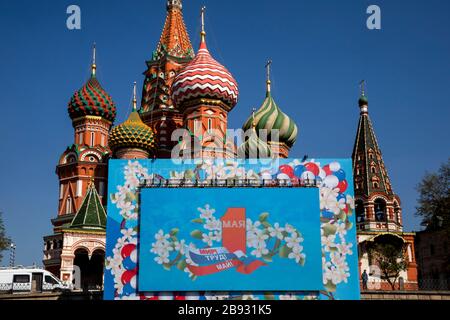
{"type": "Point", "coordinates": [340, 174]}
{"type": "Point", "coordinates": [128, 264]}
{"type": "Point", "coordinates": [340, 196]}
{"type": "Point", "coordinates": [128, 289]}
{"type": "Point", "coordinates": [327, 214]}
{"type": "Point", "coordinates": [298, 170]}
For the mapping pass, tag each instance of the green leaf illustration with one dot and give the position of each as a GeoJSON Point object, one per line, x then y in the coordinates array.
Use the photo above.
{"type": "Point", "coordinates": [348, 225]}
{"type": "Point", "coordinates": [263, 216]}
{"type": "Point", "coordinates": [267, 258]}
{"type": "Point", "coordinates": [329, 229]}
{"type": "Point", "coordinates": [181, 265]}
{"type": "Point", "coordinates": [166, 266]}
{"type": "Point", "coordinates": [198, 220]}
{"type": "Point", "coordinates": [301, 262]}
{"type": "Point", "coordinates": [330, 287]}
{"type": "Point", "coordinates": [284, 251]}
{"type": "Point", "coordinates": [350, 211]}
{"type": "Point", "coordinates": [189, 174]}
{"type": "Point", "coordinates": [174, 232]}
{"type": "Point", "coordinates": [197, 234]}
{"type": "Point", "coordinates": [342, 216]}
{"type": "Point", "coordinates": [130, 197]}
{"type": "Point", "coordinates": [266, 224]}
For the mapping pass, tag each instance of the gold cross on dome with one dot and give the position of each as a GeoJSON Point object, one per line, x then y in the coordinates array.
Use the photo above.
{"type": "Point", "coordinates": [268, 65]}
{"type": "Point", "coordinates": [362, 85]}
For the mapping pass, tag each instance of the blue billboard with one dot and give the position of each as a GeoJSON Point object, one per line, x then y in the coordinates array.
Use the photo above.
{"type": "Point", "coordinates": [230, 239]}
{"type": "Point", "coordinates": [136, 215]}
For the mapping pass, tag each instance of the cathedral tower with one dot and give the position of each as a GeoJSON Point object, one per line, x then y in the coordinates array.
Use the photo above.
{"type": "Point", "coordinates": [205, 92]}
{"type": "Point", "coordinates": [378, 208]}
{"type": "Point", "coordinates": [82, 171]}
{"type": "Point", "coordinates": [173, 52]}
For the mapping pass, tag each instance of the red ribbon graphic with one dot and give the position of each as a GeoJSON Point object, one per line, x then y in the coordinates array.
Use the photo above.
{"type": "Point", "coordinates": [222, 266]}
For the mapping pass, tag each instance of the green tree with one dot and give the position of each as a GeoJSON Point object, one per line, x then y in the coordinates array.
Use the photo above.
{"type": "Point", "coordinates": [390, 258]}
{"type": "Point", "coordinates": [434, 199]}
{"type": "Point", "coordinates": [4, 240]}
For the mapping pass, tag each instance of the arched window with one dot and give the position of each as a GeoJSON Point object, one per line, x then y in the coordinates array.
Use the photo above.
{"type": "Point", "coordinates": [376, 185]}
{"type": "Point", "coordinates": [69, 205]}
{"type": "Point", "coordinates": [80, 138]}
{"type": "Point", "coordinates": [210, 124]}
{"type": "Point", "coordinates": [380, 210]}
{"type": "Point", "coordinates": [373, 170]}
{"type": "Point", "coordinates": [359, 209]}
{"type": "Point", "coordinates": [197, 127]}
{"type": "Point", "coordinates": [396, 212]}
{"type": "Point", "coordinates": [92, 139]}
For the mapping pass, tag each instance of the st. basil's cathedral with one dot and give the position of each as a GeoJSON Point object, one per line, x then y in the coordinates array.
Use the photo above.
{"type": "Point", "coordinates": [184, 90]}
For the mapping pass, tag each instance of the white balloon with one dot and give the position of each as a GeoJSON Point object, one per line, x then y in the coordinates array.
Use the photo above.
{"type": "Point", "coordinates": [335, 166]}
{"type": "Point", "coordinates": [283, 176]}
{"type": "Point", "coordinates": [322, 174]}
{"type": "Point", "coordinates": [133, 256]}
{"type": "Point", "coordinates": [331, 182]}
{"type": "Point", "coordinates": [133, 282]}
{"type": "Point", "coordinates": [266, 176]}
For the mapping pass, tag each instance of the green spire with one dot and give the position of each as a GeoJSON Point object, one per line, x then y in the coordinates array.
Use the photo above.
{"type": "Point", "coordinates": [91, 214]}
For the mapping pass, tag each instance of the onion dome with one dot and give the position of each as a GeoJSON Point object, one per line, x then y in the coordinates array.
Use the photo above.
{"type": "Point", "coordinates": [254, 147]}
{"type": "Point", "coordinates": [92, 100]}
{"type": "Point", "coordinates": [270, 117]}
{"type": "Point", "coordinates": [204, 77]}
{"type": "Point", "coordinates": [363, 102]}
{"type": "Point", "coordinates": [133, 133]}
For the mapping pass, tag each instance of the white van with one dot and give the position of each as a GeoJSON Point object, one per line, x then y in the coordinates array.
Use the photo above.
{"type": "Point", "coordinates": [25, 280]}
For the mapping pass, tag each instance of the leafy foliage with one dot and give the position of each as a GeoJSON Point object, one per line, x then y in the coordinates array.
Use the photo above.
{"type": "Point", "coordinates": [434, 199]}
{"type": "Point", "coordinates": [390, 258]}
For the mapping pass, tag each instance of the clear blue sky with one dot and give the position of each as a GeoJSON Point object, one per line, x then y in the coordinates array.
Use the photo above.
{"type": "Point", "coordinates": [320, 49]}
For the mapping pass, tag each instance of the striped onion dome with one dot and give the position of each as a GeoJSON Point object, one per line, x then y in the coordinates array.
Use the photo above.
{"type": "Point", "coordinates": [204, 77]}
{"type": "Point", "coordinates": [253, 147]}
{"type": "Point", "coordinates": [92, 100]}
{"type": "Point", "coordinates": [270, 117]}
{"type": "Point", "coordinates": [133, 133]}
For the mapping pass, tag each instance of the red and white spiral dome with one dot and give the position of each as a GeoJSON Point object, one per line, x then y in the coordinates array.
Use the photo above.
{"type": "Point", "coordinates": [204, 77]}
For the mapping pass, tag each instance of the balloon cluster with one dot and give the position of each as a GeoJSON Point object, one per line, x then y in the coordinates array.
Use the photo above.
{"type": "Point", "coordinates": [331, 176]}
{"type": "Point", "coordinates": [129, 263]}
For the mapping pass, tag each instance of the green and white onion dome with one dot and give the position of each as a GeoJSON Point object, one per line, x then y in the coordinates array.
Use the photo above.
{"type": "Point", "coordinates": [270, 117]}
{"type": "Point", "coordinates": [254, 147]}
